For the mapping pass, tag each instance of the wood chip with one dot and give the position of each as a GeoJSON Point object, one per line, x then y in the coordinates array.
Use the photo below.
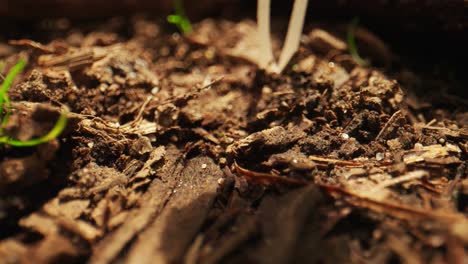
{"type": "Point", "coordinates": [151, 203]}
{"type": "Point", "coordinates": [169, 235]}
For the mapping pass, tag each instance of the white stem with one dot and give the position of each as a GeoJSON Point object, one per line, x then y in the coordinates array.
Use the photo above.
{"type": "Point", "coordinates": [293, 37]}
{"type": "Point", "coordinates": [263, 20]}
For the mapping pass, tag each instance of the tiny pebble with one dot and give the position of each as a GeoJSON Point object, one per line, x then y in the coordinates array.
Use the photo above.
{"type": "Point", "coordinates": [175, 36]}
{"type": "Point", "coordinates": [220, 181]}
{"type": "Point", "coordinates": [103, 87]}
{"type": "Point", "coordinates": [379, 156]}
{"type": "Point", "coordinates": [155, 90]}
{"type": "Point", "coordinates": [442, 141]}
{"type": "Point", "coordinates": [222, 161]}
{"type": "Point", "coordinates": [345, 136]}
{"type": "Point", "coordinates": [203, 166]}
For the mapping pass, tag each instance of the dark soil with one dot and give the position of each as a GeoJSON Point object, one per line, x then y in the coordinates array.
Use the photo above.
{"type": "Point", "coordinates": [181, 150]}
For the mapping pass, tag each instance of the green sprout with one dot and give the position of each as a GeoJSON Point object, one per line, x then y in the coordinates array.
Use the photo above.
{"type": "Point", "coordinates": [4, 88]}
{"type": "Point", "coordinates": [352, 43]}
{"type": "Point", "coordinates": [179, 18]}
{"type": "Point", "coordinates": [53, 133]}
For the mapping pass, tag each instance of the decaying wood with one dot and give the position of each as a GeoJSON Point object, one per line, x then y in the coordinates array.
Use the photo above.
{"type": "Point", "coordinates": [150, 206]}
{"type": "Point", "coordinates": [325, 162]}
{"type": "Point", "coordinates": [246, 228]}
{"type": "Point", "coordinates": [267, 179]}
{"type": "Point", "coordinates": [73, 60]}
{"type": "Point", "coordinates": [413, 175]}
{"type": "Point", "coordinates": [395, 210]}
{"type": "Point", "coordinates": [181, 217]}
{"type": "Point", "coordinates": [460, 133]}
{"type": "Point", "coordinates": [32, 44]}
{"type": "Point", "coordinates": [281, 234]}
{"type": "Point", "coordinates": [156, 155]}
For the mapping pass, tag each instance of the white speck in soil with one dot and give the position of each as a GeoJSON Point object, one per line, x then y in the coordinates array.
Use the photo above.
{"type": "Point", "coordinates": [345, 136]}
{"type": "Point", "coordinates": [209, 54]}
{"type": "Point", "coordinates": [103, 87]}
{"type": "Point", "coordinates": [203, 166]}
{"type": "Point", "coordinates": [379, 156]}
{"type": "Point", "coordinates": [175, 36]}
{"type": "Point", "coordinates": [155, 90]}
{"type": "Point", "coordinates": [266, 90]}
{"type": "Point", "coordinates": [222, 161]}
{"type": "Point", "coordinates": [196, 70]}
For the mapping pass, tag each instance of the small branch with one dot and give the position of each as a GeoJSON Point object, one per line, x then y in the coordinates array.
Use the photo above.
{"type": "Point", "coordinates": [267, 179]}
{"type": "Point", "coordinates": [387, 125]}
{"type": "Point", "coordinates": [412, 175]}
{"type": "Point", "coordinates": [393, 209]}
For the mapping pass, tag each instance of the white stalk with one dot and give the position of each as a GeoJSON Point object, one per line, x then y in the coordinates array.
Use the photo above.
{"type": "Point", "coordinates": [263, 20]}
{"type": "Point", "coordinates": [293, 36]}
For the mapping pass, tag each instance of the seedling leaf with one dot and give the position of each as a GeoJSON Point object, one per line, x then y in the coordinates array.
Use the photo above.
{"type": "Point", "coordinates": [352, 43]}
{"type": "Point", "coordinates": [4, 89]}
{"type": "Point", "coordinates": [179, 18]}
{"type": "Point", "coordinates": [53, 133]}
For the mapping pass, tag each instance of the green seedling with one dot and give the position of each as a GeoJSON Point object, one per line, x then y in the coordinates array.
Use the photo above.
{"type": "Point", "coordinates": [5, 113]}
{"type": "Point", "coordinates": [352, 43]}
{"type": "Point", "coordinates": [4, 89]}
{"type": "Point", "coordinates": [53, 133]}
{"type": "Point", "coordinates": [179, 18]}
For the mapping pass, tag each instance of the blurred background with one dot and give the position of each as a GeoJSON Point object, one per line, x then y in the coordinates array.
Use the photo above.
{"type": "Point", "coordinates": [427, 31]}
